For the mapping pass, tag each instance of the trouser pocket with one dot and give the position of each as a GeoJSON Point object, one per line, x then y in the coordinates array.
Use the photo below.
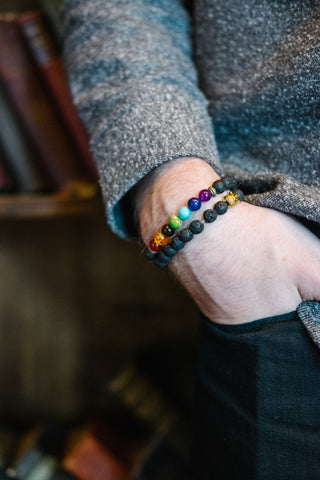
{"type": "Point", "coordinates": [257, 412]}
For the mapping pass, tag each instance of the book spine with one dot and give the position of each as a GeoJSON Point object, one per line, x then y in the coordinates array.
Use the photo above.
{"type": "Point", "coordinates": [50, 65]}
{"type": "Point", "coordinates": [89, 460]}
{"type": "Point", "coordinates": [18, 152]}
{"type": "Point", "coordinates": [27, 95]}
{"type": "Point", "coordinates": [7, 183]}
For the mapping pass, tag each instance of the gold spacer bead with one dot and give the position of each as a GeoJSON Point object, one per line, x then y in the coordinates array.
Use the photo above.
{"type": "Point", "coordinates": [213, 191]}
{"type": "Point", "coordinates": [232, 199]}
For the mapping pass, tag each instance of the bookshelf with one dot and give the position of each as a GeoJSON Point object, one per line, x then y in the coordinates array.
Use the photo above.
{"type": "Point", "coordinates": [73, 297]}
{"type": "Point", "coordinates": [17, 5]}
{"type": "Point", "coordinates": [74, 300]}
{"type": "Point", "coordinates": [43, 144]}
{"type": "Point", "coordinates": [33, 206]}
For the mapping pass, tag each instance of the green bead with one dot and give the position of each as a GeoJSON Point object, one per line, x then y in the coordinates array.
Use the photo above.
{"type": "Point", "coordinates": [175, 222]}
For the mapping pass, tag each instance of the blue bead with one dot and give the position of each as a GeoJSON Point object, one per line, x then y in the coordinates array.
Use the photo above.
{"type": "Point", "coordinates": [184, 213]}
{"type": "Point", "coordinates": [194, 204]}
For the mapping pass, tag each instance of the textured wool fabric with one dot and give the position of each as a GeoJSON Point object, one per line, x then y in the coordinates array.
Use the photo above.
{"type": "Point", "coordinates": [237, 85]}
{"type": "Point", "coordinates": [258, 401]}
{"type": "Point", "coordinates": [309, 314]}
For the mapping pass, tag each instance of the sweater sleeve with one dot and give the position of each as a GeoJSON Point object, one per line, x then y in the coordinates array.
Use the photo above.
{"type": "Point", "coordinates": [134, 83]}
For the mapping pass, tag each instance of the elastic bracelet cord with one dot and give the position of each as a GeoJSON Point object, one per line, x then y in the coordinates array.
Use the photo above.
{"type": "Point", "coordinates": [178, 242]}
{"type": "Point", "coordinates": [163, 236]}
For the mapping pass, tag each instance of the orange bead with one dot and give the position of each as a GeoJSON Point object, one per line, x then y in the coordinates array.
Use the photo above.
{"type": "Point", "coordinates": [161, 239]}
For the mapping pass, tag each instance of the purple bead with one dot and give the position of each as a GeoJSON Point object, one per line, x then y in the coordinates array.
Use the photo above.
{"type": "Point", "coordinates": [205, 195]}
{"type": "Point", "coordinates": [194, 204]}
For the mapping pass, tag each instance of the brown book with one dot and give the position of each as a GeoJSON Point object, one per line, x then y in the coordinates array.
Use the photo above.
{"type": "Point", "coordinates": [42, 123]}
{"type": "Point", "coordinates": [89, 460]}
{"type": "Point", "coordinates": [44, 52]}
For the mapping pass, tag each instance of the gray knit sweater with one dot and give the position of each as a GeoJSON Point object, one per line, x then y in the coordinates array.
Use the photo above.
{"type": "Point", "coordinates": [237, 85]}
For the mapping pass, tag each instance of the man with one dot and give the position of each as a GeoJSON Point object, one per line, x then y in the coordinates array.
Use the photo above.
{"type": "Point", "coordinates": [173, 100]}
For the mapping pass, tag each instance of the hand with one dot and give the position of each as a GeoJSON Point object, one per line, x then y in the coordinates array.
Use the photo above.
{"type": "Point", "coordinates": [251, 263]}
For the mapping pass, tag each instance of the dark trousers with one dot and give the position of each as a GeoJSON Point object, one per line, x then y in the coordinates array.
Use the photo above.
{"type": "Point", "coordinates": [258, 402]}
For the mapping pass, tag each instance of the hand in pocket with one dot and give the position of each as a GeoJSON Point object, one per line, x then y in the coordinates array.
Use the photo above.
{"type": "Point", "coordinates": [251, 263]}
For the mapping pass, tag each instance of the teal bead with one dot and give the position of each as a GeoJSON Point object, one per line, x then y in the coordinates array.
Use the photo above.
{"type": "Point", "coordinates": [184, 213]}
{"type": "Point", "coordinates": [175, 222]}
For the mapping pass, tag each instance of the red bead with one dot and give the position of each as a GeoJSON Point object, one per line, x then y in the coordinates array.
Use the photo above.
{"type": "Point", "coordinates": [154, 247]}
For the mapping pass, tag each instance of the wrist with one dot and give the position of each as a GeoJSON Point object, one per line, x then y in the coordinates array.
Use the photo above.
{"type": "Point", "coordinates": [167, 188]}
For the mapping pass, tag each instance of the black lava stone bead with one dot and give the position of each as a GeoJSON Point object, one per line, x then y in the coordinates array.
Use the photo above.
{"type": "Point", "coordinates": [221, 207]}
{"type": "Point", "coordinates": [240, 194]}
{"type": "Point", "coordinates": [176, 243]}
{"type": "Point", "coordinates": [160, 264]}
{"type": "Point", "coordinates": [219, 186]}
{"type": "Point", "coordinates": [162, 257]}
{"type": "Point", "coordinates": [169, 251]}
{"type": "Point", "coordinates": [196, 226]}
{"type": "Point", "coordinates": [186, 235]}
{"type": "Point", "coordinates": [210, 215]}
{"type": "Point", "coordinates": [150, 255]}
{"type": "Point", "coordinates": [230, 183]}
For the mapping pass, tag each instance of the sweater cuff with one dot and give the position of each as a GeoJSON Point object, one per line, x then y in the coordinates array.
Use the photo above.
{"type": "Point", "coordinates": [145, 137]}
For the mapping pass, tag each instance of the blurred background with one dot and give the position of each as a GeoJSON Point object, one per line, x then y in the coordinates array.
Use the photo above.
{"type": "Point", "coordinates": [79, 307]}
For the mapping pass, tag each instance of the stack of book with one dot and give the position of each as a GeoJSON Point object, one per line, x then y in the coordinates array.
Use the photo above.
{"type": "Point", "coordinates": [43, 145]}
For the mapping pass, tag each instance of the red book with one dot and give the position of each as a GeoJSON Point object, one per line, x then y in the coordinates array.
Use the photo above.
{"type": "Point", "coordinates": [50, 65]}
{"type": "Point", "coordinates": [89, 460]}
{"type": "Point", "coordinates": [40, 120]}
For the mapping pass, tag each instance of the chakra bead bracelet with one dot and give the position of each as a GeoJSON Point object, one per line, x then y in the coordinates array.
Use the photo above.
{"type": "Point", "coordinates": [164, 257]}
{"type": "Point", "coordinates": [163, 236]}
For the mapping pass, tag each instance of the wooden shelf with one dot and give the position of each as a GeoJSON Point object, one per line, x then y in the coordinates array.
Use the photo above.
{"type": "Point", "coordinates": [47, 205]}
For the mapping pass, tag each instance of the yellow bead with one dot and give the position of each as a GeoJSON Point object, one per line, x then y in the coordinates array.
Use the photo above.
{"type": "Point", "coordinates": [231, 198]}
{"type": "Point", "coordinates": [161, 239]}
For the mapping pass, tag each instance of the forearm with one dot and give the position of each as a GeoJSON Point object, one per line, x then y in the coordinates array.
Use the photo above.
{"type": "Point", "coordinates": [134, 83]}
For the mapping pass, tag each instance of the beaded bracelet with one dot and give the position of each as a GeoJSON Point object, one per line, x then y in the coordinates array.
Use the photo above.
{"type": "Point", "coordinates": [163, 258]}
{"type": "Point", "coordinates": [163, 237]}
